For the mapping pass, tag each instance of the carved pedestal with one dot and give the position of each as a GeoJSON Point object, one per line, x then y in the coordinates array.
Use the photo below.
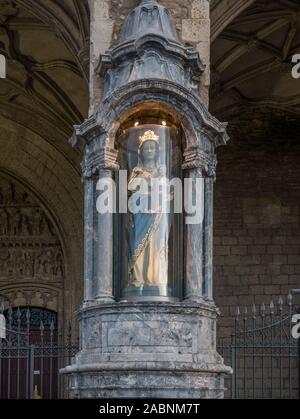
{"type": "Point", "coordinates": [148, 350]}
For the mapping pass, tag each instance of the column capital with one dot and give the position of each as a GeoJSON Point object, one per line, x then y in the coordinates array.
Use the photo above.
{"type": "Point", "coordinates": [104, 158]}
{"type": "Point", "coordinates": [197, 159]}
{"type": "Point", "coordinates": [86, 133]}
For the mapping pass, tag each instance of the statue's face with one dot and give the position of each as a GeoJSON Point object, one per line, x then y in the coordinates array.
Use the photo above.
{"type": "Point", "coordinates": [149, 151]}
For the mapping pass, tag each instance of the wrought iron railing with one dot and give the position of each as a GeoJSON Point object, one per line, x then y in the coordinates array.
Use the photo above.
{"type": "Point", "coordinates": [34, 350]}
{"type": "Point", "coordinates": [263, 353]}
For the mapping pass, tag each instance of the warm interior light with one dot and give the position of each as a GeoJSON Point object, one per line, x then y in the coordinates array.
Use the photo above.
{"type": "Point", "coordinates": [164, 123]}
{"type": "Point", "coordinates": [136, 124]}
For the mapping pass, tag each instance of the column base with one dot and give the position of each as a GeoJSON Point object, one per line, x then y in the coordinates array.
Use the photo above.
{"type": "Point", "coordinates": [146, 385]}
{"type": "Point", "coordinates": [148, 350]}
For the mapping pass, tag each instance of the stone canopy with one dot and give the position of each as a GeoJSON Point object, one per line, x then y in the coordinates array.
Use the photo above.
{"type": "Point", "coordinates": [148, 47]}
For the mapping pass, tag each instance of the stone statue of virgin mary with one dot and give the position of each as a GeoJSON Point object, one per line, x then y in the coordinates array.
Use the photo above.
{"type": "Point", "coordinates": [149, 230]}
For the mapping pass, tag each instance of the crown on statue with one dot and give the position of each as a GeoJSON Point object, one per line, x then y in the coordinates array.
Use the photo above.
{"type": "Point", "coordinates": [149, 136]}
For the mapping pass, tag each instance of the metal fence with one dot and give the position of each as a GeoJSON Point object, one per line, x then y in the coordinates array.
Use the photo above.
{"type": "Point", "coordinates": [262, 352]}
{"type": "Point", "coordinates": [34, 350]}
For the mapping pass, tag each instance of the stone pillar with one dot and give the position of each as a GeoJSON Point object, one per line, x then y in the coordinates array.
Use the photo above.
{"type": "Point", "coordinates": [194, 241]}
{"type": "Point", "coordinates": [196, 30]}
{"type": "Point", "coordinates": [208, 239]}
{"type": "Point", "coordinates": [103, 279]}
{"type": "Point", "coordinates": [99, 164]}
{"type": "Point", "coordinates": [200, 167]}
{"type": "Point", "coordinates": [89, 187]}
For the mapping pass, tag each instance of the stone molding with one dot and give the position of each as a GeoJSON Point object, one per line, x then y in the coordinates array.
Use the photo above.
{"type": "Point", "coordinates": [195, 158]}
{"type": "Point", "coordinates": [103, 159]}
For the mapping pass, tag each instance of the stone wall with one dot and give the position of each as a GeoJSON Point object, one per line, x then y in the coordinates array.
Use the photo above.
{"type": "Point", "coordinates": [257, 200]}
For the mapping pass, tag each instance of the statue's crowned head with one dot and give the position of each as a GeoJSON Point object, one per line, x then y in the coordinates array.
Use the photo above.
{"type": "Point", "coordinates": [149, 147]}
{"type": "Point", "coordinates": [149, 136]}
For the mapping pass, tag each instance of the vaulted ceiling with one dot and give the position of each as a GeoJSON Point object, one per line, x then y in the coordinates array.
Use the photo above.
{"type": "Point", "coordinates": [69, 19]}
{"type": "Point", "coordinates": [223, 12]}
{"type": "Point", "coordinates": [251, 61]}
{"type": "Point", "coordinates": [46, 44]}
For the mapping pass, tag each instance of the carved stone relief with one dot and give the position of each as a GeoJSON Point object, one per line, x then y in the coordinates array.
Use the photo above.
{"type": "Point", "coordinates": [29, 247]}
{"type": "Point", "coordinates": [29, 296]}
{"type": "Point", "coordinates": [30, 252]}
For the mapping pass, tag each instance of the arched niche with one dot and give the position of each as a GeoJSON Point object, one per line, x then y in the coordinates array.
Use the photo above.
{"type": "Point", "coordinates": [149, 239]}
{"type": "Point", "coordinates": [199, 126]}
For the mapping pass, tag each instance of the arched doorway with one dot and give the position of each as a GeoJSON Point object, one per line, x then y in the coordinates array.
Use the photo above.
{"type": "Point", "coordinates": [29, 361]}
{"type": "Point", "coordinates": [33, 351]}
{"type": "Point", "coordinates": [32, 276]}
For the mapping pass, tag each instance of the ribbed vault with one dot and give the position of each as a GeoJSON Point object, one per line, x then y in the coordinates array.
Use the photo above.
{"type": "Point", "coordinates": [251, 61]}
{"type": "Point", "coordinates": [46, 88]}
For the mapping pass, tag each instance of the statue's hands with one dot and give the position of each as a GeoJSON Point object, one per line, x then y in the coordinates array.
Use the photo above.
{"type": "Point", "coordinates": [163, 171]}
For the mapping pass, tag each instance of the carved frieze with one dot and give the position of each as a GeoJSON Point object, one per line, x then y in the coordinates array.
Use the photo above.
{"type": "Point", "coordinates": [29, 247]}
{"type": "Point", "coordinates": [29, 296]}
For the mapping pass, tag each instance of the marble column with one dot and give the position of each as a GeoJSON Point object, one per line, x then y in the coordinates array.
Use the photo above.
{"type": "Point", "coordinates": [208, 239]}
{"type": "Point", "coordinates": [194, 255]}
{"type": "Point", "coordinates": [89, 182]}
{"type": "Point", "coordinates": [99, 165]}
{"type": "Point", "coordinates": [103, 249]}
{"type": "Point", "coordinates": [200, 167]}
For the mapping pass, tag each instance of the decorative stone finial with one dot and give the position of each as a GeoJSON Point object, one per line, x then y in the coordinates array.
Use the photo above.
{"type": "Point", "coordinates": [148, 18]}
{"type": "Point", "coordinates": [149, 48]}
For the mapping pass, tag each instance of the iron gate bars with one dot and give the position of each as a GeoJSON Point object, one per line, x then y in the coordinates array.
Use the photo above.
{"type": "Point", "coordinates": [36, 347]}
{"type": "Point", "coordinates": [263, 353]}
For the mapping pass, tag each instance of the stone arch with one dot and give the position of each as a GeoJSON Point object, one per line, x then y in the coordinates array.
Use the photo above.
{"type": "Point", "coordinates": [195, 119]}
{"type": "Point", "coordinates": [45, 297]}
{"type": "Point", "coordinates": [32, 259]}
{"type": "Point", "coordinates": [54, 178]}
